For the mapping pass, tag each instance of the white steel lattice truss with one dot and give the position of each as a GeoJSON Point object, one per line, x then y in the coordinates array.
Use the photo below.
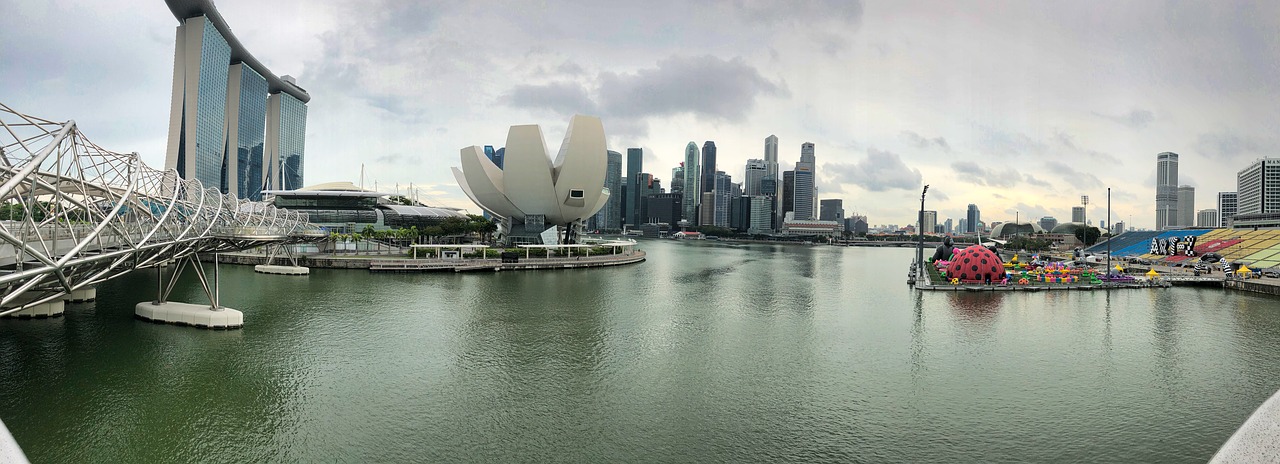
{"type": "Point", "coordinates": [73, 214]}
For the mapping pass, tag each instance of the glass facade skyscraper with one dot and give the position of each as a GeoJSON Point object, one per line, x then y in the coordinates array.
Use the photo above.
{"type": "Point", "coordinates": [246, 125]}
{"type": "Point", "coordinates": [286, 141]}
{"type": "Point", "coordinates": [692, 186]}
{"type": "Point", "coordinates": [219, 132]}
{"type": "Point", "coordinates": [635, 165]}
{"type": "Point", "coordinates": [805, 192]}
{"type": "Point", "coordinates": [708, 166]}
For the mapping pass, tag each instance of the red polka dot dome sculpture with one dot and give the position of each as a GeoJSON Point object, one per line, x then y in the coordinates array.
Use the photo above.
{"type": "Point", "coordinates": [976, 264]}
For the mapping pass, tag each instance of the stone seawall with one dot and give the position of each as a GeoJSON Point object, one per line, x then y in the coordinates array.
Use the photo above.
{"type": "Point", "coordinates": [1253, 286]}
{"type": "Point", "coordinates": [407, 265]}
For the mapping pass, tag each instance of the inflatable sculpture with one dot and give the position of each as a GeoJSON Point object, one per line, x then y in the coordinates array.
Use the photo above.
{"type": "Point", "coordinates": [976, 264]}
{"type": "Point", "coordinates": [944, 251]}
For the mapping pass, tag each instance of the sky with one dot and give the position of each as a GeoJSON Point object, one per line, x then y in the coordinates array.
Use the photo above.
{"type": "Point", "coordinates": [1018, 107]}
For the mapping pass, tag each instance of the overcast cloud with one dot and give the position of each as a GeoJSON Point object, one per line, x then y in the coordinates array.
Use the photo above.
{"type": "Point", "coordinates": [1013, 106]}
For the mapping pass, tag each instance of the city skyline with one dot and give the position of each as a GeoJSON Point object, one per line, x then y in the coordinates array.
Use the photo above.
{"type": "Point", "coordinates": [1068, 100]}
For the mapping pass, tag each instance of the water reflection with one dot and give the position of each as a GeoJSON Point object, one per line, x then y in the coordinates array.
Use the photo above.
{"type": "Point", "coordinates": [976, 306]}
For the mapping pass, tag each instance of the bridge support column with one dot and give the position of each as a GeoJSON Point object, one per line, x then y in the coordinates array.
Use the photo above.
{"type": "Point", "coordinates": [210, 316]}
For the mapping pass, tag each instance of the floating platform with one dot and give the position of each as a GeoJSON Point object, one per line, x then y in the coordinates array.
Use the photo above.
{"type": "Point", "coordinates": [51, 309]}
{"type": "Point", "coordinates": [199, 316]}
{"type": "Point", "coordinates": [83, 295]}
{"type": "Point", "coordinates": [281, 270]}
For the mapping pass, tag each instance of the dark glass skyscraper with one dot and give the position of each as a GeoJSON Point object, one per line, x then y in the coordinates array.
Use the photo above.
{"type": "Point", "coordinates": [972, 217]}
{"type": "Point", "coordinates": [635, 165]}
{"type": "Point", "coordinates": [708, 166]}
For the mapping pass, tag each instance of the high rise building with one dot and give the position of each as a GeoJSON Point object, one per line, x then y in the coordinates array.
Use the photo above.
{"type": "Point", "coordinates": [760, 220]}
{"type": "Point", "coordinates": [610, 216]}
{"type": "Point", "coordinates": [831, 210]}
{"type": "Point", "coordinates": [1048, 223]}
{"type": "Point", "coordinates": [663, 208]}
{"type": "Point", "coordinates": [1186, 206]}
{"type": "Point", "coordinates": [973, 217]}
{"type": "Point", "coordinates": [646, 187]}
{"type": "Point", "coordinates": [723, 195]}
{"type": "Point", "coordinates": [286, 140]}
{"type": "Point", "coordinates": [1226, 208]}
{"type": "Point", "coordinates": [1258, 187]}
{"type": "Point", "coordinates": [1207, 218]}
{"type": "Point", "coordinates": [788, 194]}
{"type": "Point", "coordinates": [1166, 191]}
{"type": "Point", "coordinates": [707, 209]}
{"type": "Point", "coordinates": [754, 176]}
{"type": "Point", "coordinates": [947, 227]}
{"type": "Point", "coordinates": [708, 166]}
{"type": "Point", "coordinates": [857, 224]}
{"type": "Point", "coordinates": [233, 124]}
{"type": "Point", "coordinates": [928, 221]}
{"type": "Point", "coordinates": [963, 226]}
{"type": "Point", "coordinates": [1117, 228]}
{"type": "Point", "coordinates": [804, 184]}
{"type": "Point", "coordinates": [677, 179]}
{"type": "Point", "coordinates": [1077, 214]}
{"type": "Point", "coordinates": [692, 188]}
{"type": "Point", "coordinates": [771, 170]}
{"type": "Point", "coordinates": [635, 165]}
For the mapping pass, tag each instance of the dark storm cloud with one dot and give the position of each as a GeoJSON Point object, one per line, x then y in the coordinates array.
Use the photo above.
{"type": "Point", "coordinates": [878, 172]}
{"type": "Point", "coordinates": [560, 97]}
{"type": "Point", "coordinates": [708, 87]}
{"type": "Point", "coordinates": [972, 172]}
{"type": "Point", "coordinates": [919, 141]}
{"type": "Point", "coordinates": [1230, 145]}
{"type": "Point", "coordinates": [1135, 119]}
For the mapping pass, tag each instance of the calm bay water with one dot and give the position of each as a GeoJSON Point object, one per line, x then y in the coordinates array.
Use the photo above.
{"type": "Point", "coordinates": [706, 352]}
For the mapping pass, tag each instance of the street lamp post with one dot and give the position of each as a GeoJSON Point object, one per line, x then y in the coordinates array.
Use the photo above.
{"type": "Point", "coordinates": [1084, 206]}
{"type": "Point", "coordinates": [1111, 229]}
{"type": "Point", "coordinates": [920, 231]}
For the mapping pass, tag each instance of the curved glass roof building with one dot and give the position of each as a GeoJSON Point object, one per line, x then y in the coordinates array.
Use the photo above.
{"type": "Point", "coordinates": [233, 123]}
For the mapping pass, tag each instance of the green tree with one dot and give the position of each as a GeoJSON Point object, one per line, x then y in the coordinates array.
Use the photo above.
{"type": "Point", "coordinates": [1092, 235]}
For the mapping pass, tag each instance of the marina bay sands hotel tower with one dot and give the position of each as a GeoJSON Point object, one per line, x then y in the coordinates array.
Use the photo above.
{"type": "Point", "coordinates": [233, 124]}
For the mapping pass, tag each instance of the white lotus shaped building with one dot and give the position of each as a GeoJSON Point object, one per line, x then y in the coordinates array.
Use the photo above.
{"type": "Point", "coordinates": [531, 193]}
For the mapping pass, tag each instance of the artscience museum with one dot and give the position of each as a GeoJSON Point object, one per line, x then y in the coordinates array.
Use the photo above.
{"type": "Point", "coordinates": [533, 198]}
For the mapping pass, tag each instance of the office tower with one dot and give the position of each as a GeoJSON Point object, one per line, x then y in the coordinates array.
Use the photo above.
{"type": "Point", "coordinates": [1117, 228]}
{"type": "Point", "coordinates": [663, 208]}
{"type": "Point", "coordinates": [973, 218]}
{"type": "Point", "coordinates": [760, 218]}
{"type": "Point", "coordinates": [1226, 208]}
{"type": "Point", "coordinates": [754, 177]}
{"type": "Point", "coordinates": [1207, 218]}
{"type": "Point", "coordinates": [963, 226]}
{"type": "Point", "coordinates": [708, 166]}
{"type": "Point", "coordinates": [1186, 206]}
{"type": "Point", "coordinates": [1077, 214]}
{"type": "Point", "coordinates": [771, 170]}
{"type": "Point", "coordinates": [1166, 191]}
{"type": "Point", "coordinates": [1258, 188]}
{"type": "Point", "coordinates": [788, 194]}
{"type": "Point", "coordinates": [232, 122]}
{"type": "Point", "coordinates": [771, 186]}
{"type": "Point", "coordinates": [707, 209]}
{"type": "Point", "coordinates": [723, 194]}
{"type": "Point", "coordinates": [646, 186]}
{"type": "Point", "coordinates": [1048, 223]}
{"type": "Point", "coordinates": [831, 210]}
{"type": "Point", "coordinates": [610, 216]}
{"type": "Point", "coordinates": [625, 198]}
{"type": "Point", "coordinates": [635, 165]}
{"type": "Point", "coordinates": [677, 179]}
{"type": "Point", "coordinates": [858, 224]}
{"type": "Point", "coordinates": [805, 191]}
{"type": "Point", "coordinates": [928, 221]}
{"type": "Point", "coordinates": [947, 227]}
{"type": "Point", "coordinates": [740, 213]}
{"type": "Point", "coordinates": [692, 188]}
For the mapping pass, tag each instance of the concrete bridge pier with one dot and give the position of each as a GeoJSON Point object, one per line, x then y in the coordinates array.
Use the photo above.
{"type": "Point", "coordinates": [204, 316]}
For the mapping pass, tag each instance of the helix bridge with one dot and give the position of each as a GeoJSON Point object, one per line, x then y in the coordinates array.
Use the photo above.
{"type": "Point", "coordinates": [74, 214]}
